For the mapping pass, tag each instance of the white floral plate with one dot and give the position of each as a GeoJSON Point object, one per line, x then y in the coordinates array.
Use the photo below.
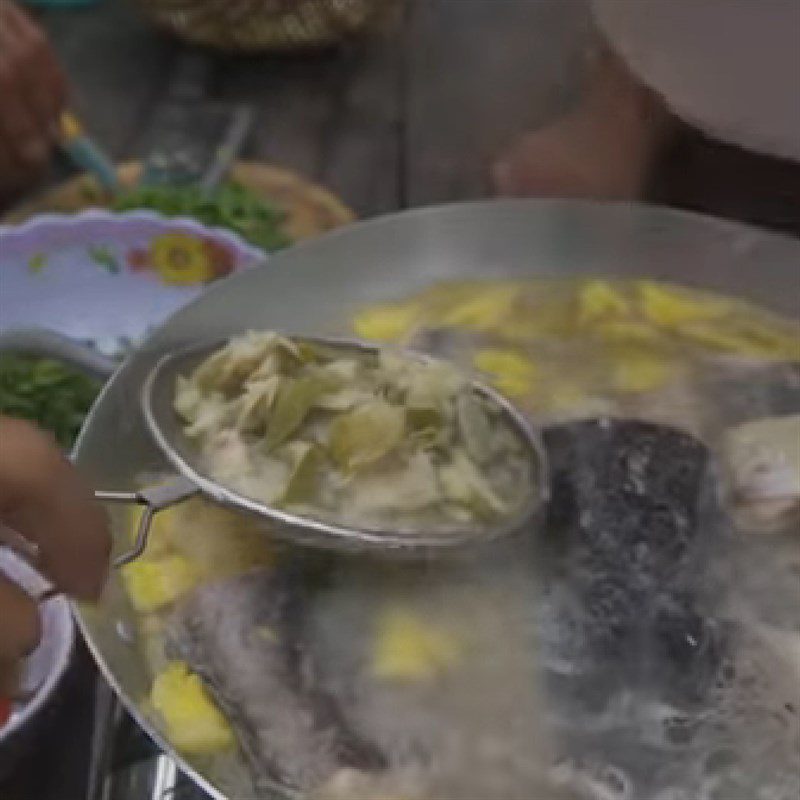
{"type": "Point", "coordinates": [107, 278]}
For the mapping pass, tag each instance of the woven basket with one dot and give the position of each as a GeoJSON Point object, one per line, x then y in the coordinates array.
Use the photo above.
{"type": "Point", "coordinates": [253, 25]}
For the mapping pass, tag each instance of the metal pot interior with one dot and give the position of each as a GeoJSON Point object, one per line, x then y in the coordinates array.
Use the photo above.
{"type": "Point", "coordinates": [315, 288]}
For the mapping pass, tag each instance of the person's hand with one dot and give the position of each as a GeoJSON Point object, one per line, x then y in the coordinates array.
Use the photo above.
{"type": "Point", "coordinates": [43, 499]}
{"type": "Point", "coordinates": [32, 96]}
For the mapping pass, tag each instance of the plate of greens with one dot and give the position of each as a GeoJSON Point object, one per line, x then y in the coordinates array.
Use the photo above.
{"type": "Point", "coordinates": [231, 206]}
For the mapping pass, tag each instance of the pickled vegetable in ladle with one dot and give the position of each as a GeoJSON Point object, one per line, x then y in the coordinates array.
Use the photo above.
{"type": "Point", "coordinates": [338, 443]}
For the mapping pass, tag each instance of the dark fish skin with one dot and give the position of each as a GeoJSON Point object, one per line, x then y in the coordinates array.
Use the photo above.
{"type": "Point", "coordinates": [244, 637]}
{"type": "Point", "coordinates": [632, 517]}
{"type": "Point", "coordinates": [626, 494]}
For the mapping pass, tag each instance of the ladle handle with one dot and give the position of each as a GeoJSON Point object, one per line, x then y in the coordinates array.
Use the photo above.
{"type": "Point", "coordinates": [154, 499]}
{"type": "Point", "coordinates": [40, 342]}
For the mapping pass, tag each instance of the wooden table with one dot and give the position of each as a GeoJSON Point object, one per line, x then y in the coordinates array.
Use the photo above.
{"type": "Point", "coordinates": [411, 117]}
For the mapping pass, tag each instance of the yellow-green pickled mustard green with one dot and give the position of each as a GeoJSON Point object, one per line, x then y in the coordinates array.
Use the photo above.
{"type": "Point", "coordinates": [294, 399]}
{"type": "Point", "coordinates": [366, 434]}
{"type": "Point", "coordinates": [364, 438]}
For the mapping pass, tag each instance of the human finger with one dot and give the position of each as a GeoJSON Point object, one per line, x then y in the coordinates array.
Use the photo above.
{"type": "Point", "coordinates": [43, 498]}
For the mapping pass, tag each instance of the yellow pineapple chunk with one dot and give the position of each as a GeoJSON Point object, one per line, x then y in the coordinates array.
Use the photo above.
{"type": "Point", "coordinates": [488, 308]}
{"type": "Point", "coordinates": [408, 648]}
{"type": "Point", "coordinates": [600, 300]}
{"type": "Point", "coordinates": [152, 583]}
{"type": "Point", "coordinates": [386, 323]}
{"type": "Point", "coordinates": [747, 338]}
{"type": "Point", "coordinates": [511, 372]}
{"type": "Point", "coordinates": [671, 306]}
{"type": "Point", "coordinates": [193, 722]}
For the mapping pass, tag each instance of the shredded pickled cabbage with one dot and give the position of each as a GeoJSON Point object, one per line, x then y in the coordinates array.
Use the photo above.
{"type": "Point", "coordinates": [385, 440]}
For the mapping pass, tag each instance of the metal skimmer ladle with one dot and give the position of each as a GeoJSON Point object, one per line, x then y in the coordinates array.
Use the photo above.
{"type": "Point", "coordinates": [166, 428]}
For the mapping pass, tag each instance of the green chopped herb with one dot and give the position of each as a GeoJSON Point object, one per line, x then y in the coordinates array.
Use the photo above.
{"type": "Point", "coordinates": [46, 392]}
{"type": "Point", "coordinates": [231, 206]}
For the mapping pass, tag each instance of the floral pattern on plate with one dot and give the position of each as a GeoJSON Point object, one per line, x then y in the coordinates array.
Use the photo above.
{"type": "Point", "coordinates": [105, 277]}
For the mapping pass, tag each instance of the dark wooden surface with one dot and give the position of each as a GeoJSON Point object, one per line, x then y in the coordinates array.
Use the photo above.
{"type": "Point", "coordinates": [411, 117]}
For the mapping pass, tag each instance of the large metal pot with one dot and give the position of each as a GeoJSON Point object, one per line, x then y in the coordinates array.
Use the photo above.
{"type": "Point", "coordinates": [316, 286]}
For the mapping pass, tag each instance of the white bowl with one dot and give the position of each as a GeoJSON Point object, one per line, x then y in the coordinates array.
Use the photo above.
{"type": "Point", "coordinates": [45, 667]}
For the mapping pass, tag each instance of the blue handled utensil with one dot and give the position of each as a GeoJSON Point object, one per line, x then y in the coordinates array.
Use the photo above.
{"type": "Point", "coordinates": [85, 153]}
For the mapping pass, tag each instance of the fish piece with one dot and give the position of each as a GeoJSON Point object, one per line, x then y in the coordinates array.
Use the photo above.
{"type": "Point", "coordinates": [626, 494]}
{"type": "Point", "coordinates": [244, 637]}
{"type": "Point", "coordinates": [763, 462]}
{"type": "Point", "coordinates": [688, 647]}
{"type": "Point", "coordinates": [633, 507]}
